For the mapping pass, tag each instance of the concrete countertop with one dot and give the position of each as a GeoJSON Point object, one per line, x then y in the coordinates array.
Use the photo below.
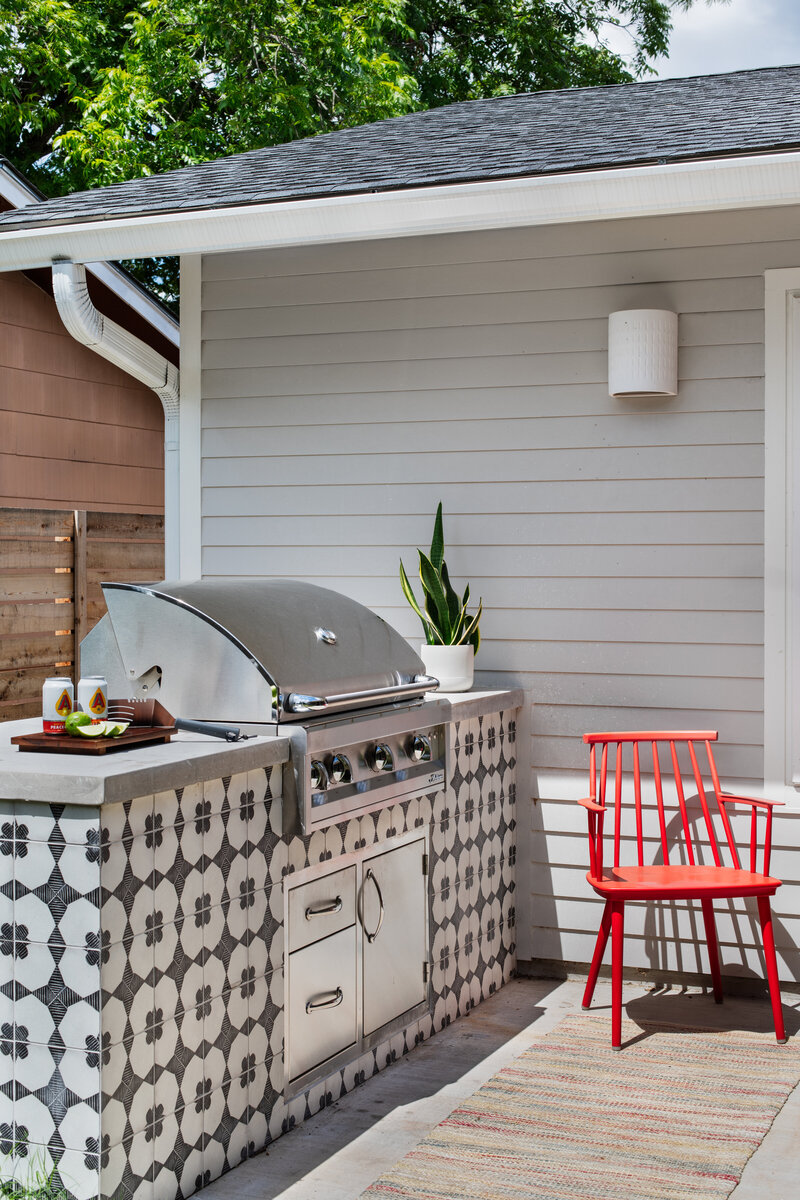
{"type": "Point", "coordinates": [187, 758]}
{"type": "Point", "coordinates": [122, 775]}
{"type": "Point", "coordinates": [465, 705]}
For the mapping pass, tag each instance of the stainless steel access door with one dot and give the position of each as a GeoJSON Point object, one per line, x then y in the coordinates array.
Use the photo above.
{"type": "Point", "coordinates": [393, 909]}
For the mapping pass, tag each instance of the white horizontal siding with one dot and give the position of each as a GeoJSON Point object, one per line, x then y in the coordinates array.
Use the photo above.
{"type": "Point", "coordinates": [708, 395]}
{"type": "Point", "coordinates": [263, 348]}
{"type": "Point", "coordinates": [592, 433]}
{"type": "Point", "coordinates": [617, 545]}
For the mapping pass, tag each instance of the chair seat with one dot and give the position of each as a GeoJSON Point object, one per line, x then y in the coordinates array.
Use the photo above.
{"type": "Point", "coordinates": [680, 883]}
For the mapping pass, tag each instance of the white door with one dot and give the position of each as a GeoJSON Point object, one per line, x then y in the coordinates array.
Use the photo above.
{"type": "Point", "coordinates": [393, 911]}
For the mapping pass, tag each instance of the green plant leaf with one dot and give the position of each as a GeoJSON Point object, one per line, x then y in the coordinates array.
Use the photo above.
{"type": "Point", "coordinates": [408, 592]}
{"type": "Point", "coordinates": [453, 603]}
{"type": "Point", "coordinates": [437, 542]}
{"type": "Point", "coordinates": [472, 628]}
{"type": "Point", "coordinates": [434, 589]}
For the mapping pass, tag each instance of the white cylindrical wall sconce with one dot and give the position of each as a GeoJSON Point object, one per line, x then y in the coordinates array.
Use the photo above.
{"type": "Point", "coordinates": [643, 352]}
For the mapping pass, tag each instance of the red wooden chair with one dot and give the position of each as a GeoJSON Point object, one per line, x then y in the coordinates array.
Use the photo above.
{"type": "Point", "coordinates": [690, 879]}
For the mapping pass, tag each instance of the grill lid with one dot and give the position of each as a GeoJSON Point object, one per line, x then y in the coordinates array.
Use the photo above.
{"type": "Point", "coordinates": [250, 649]}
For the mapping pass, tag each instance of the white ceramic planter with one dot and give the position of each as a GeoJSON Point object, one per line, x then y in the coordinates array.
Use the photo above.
{"type": "Point", "coordinates": [453, 666]}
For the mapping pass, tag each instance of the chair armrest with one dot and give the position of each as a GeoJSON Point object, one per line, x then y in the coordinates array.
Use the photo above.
{"type": "Point", "coordinates": [587, 802]}
{"type": "Point", "coordinates": [753, 801]}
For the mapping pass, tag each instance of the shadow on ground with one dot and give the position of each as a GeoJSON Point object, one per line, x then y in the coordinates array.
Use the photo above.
{"type": "Point", "coordinates": [690, 1010]}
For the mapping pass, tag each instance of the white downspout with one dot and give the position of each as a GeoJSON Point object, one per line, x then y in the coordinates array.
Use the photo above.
{"type": "Point", "coordinates": [111, 341]}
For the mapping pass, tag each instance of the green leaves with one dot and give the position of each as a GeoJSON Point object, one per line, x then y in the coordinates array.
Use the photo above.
{"type": "Point", "coordinates": [445, 620]}
{"type": "Point", "coordinates": [93, 92]}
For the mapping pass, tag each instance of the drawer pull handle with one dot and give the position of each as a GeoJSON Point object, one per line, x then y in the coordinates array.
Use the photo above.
{"type": "Point", "coordinates": [332, 1000]}
{"type": "Point", "coordinates": [322, 910]}
{"type": "Point", "coordinates": [371, 936]}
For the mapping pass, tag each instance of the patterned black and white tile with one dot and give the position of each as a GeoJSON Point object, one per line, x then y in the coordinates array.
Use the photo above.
{"type": "Point", "coordinates": [49, 976]}
{"type": "Point", "coordinates": [143, 953]}
{"type": "Point", "coordinates": [474, 850]}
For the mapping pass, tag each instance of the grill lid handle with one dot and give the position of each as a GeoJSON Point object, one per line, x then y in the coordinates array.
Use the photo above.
{"type": "Point", "coordinates": [295, 702]}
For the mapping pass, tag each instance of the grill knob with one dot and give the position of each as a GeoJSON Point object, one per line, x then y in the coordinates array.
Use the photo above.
{"type": "Point", "coordinates": [419, 748]}
{"type": "Point", "coordinates": [381, 757]}
{"type": "Point", "coordinates": [341, 771]}
{"type": "Point", "coordinates": [318, 776]}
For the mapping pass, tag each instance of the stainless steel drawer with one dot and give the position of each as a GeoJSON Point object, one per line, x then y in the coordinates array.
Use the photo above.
{"type": "Point", "coordinates": [321, 907]}
{"type": "Point", "coordinates": [321, 1001]}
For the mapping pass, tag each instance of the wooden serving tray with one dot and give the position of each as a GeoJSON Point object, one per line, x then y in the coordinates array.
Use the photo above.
{"type": "Point", "coordinates": [63, 743]}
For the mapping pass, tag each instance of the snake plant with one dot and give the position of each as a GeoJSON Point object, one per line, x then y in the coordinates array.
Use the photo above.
{"type": "Point", "coordinates": [445, 618]}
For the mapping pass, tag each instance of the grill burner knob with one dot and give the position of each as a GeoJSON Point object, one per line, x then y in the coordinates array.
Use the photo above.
{"type": "Point", "coordinates": [419, 748]}
{"type": "Point", "coordinates": [318, 776]}
{"type": "Point", "coordinates": [341, 771]}
{"type": "Point", "coordinates": [381, 758]}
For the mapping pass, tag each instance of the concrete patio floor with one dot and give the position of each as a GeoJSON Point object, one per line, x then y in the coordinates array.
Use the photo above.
{"type": "Point", "coordinates": [343, 1149]}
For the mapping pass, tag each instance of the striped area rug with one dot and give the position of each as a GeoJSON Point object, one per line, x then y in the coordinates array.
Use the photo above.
{"type": "Point", "coordinates": [674, 1116]}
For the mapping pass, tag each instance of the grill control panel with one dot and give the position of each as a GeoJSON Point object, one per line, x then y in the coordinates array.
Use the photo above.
{"type": "Point", "coordinates": [371, 773]}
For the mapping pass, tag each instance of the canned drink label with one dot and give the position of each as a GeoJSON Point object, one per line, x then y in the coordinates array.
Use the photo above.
{"type": "Point", "coordinates": [92, 697]}
{"type": "Point", "coordinates": [57, 704]}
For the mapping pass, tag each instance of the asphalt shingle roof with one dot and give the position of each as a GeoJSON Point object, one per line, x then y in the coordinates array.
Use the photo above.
{"type": "Point", "coordinates": [538, 133]}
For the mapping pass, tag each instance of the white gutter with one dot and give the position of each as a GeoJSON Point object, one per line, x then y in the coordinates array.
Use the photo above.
{"type": "Point", "coordinates": [114, 343]}
{"type": "Point", "coordinates": [757, 181]}
{"type": "Point", "coordinates": [137, 299]}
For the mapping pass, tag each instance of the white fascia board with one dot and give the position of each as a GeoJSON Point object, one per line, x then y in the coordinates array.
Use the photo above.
{"type": "Point", "coordinates": [756, 181]}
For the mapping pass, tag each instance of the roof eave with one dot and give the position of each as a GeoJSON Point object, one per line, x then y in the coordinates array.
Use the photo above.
{"type": "Point", "coordinates": [753, 181]}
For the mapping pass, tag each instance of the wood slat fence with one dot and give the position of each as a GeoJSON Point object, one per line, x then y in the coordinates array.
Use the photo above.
{"type": "Point", "coordinates": [51, 567]}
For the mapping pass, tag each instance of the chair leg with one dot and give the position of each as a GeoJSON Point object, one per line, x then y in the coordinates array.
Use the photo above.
{"type": "Point", "coordinates": [765, 916]}
{"type": "Point", "coordinates": [597, 958]}
{"type": "Point", "coordinates": [713, 948]}
{"type": "Point", "coordinates": [617, 934]}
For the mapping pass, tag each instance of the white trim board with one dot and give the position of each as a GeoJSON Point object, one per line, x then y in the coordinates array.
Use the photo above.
{"type": "Point", "coordinates": [782, 535]}
{"type": "Point", "coordinates": [755, 181]}
{"type": "Point", "coordinates": [191, 458]}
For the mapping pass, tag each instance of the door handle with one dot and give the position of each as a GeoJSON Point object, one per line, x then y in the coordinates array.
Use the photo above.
{"type": "Point", "coordinates": [371, 936]}
{"type": "Point", "coordinates": [322, 910]}
{"type": "Point", "coordinates": [332, 1000]}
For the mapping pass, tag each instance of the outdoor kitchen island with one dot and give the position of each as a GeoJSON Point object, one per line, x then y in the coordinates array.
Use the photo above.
{"type": "Point", "coordinates": [146, 899]}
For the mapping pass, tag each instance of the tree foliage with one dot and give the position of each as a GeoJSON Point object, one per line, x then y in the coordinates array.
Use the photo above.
{"type": "Point", "coordinates": [465, 51]}
{"type": "Point", "coordinates": [97, 91]}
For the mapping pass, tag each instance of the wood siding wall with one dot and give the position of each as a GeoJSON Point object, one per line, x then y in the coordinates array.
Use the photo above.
{"type": "Point", "coordinates": [75, 431]}
{"type": "Point", "coordinates": [51, 567]}
{"type": "Point", "coordinates": [618, 545]}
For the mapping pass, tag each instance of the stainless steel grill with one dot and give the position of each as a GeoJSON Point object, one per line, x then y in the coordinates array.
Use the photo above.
{"type": "Point", "coordinates": [281, 655]}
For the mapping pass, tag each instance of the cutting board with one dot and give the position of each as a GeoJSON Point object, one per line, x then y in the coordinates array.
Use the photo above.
{"type": "Point", "coordinates": [62, 743]}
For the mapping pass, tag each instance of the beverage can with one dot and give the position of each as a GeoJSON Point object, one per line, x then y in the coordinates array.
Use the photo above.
{"type": "Point", "coordinates": [93, 697]}
{"type": "Point", "coordinates": [58, 701]}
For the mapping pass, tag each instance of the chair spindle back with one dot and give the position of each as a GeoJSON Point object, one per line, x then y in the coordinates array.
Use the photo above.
{"type": "Point", "coordinates": [667, 781]}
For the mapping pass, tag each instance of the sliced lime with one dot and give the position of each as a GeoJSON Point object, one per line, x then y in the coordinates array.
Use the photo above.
{"type": "Point", "coordinates": [115, 728]}
{"type": "Point", "coordinates": [92, 731]}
